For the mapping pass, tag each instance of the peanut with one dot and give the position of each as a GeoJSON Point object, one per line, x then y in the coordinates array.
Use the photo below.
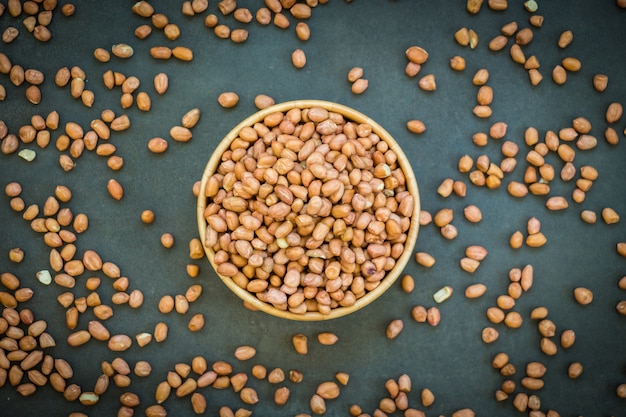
{"type": "Point", "coordinates": [475, 290]}
{"type": "Point", "coordinates": [556, 203]}
{"type": "Point", "coordinates": [517, 55]}
{"type": "Point", "coordinates": [427, 83]}
{"type": "Point", "coordinates": [558, 75]}
{"type": "Point", "coordinates": [161, 52]}
{"type": "Point", "coordinates": [354, 74]}
{"type": "Point", "coordinates": [161, 83]}
{"type": "Point", "coordinates": [191, 118]}
{"type": "Point", "coordinates": [536, 240]}
{"type": "Point", "coordinates": [588, 216]}
{"type": "Point", "coordinates": [445, 188]}
{"type": "Point", "coordinates": [539, 313]}
{"type": "Point", "coordinates": [228, 99]}
{"type": "Point", "coordinates": [457, 63]}
{"type": "Point", "coordinates": [281, 395]}
{"type": "Point", "coordinates": [182, 53]}
{"type": "Point", "coordinates": [586, 142]}
{"type": "Point", "coordinates": [480, 138]}
{"type": "Point", "coordinates": [425, 259]}
{"type": "Point", "coordinates": [532, 383]}
{"type": "Point", "coordinates": [155, 411]}
{"type": "Point", "coordinates": [416, 126]}
{"type": "Point", "coordinates": [484, 97]}
{"type": "Point", "coordinates": [449, 231]}
{"type": "Point", "coordinates": [462, 36]}
{"type": "Point", "coordinates": [407, 283]}
{"type": "Point", "coordinates": [300, 343]}
{"type": "Point", "coordinates": [196, 323]}
{"type": "Point", "coordinates": [472, 214]}
{"type": "Point", "coordinates": [536, 20]}
{"type": "Point", "coordinates": [535, 370]}
{"type": "Point", "coordinates": [115, 189]}
{"type": "Point", "coordinates": [482, 111]}
{"type": "Point", "coordinates": [303, 32]}
{"type": "Point", "coordinates": [513, 320]}
{"type": "Point", "coordinates": [443, 294]}
{"type": "Point", "coordinates": [122, 50]}
{"type": "Point", "coordinates": [495, 315]}
{"type": "Point", "coordinates": [610, 216]}
{"type": "Point", "coordinates": [473, 6]}
{"type": "Point", "coordinates": [600, 82]}
{"type": "Point", "coordinates": [574, 370]}
{"type": "Point", "coordinates": [498, 43]}
{"type": "Point", "coordinates": [317, 404]}
{"type": "Point", "coordinates": [515, 290]}
{"type": "Point", "coordinates": [244, 353]}
{"type": "Point", "coordinates": [583, 296]}
{"type": "Point", "coordinates": [298, 58]}
{"type": "Point", "coordinates": [416, 54]}
{"type": "Point", "coordinates": [249, 396]}
{"type": "Point", "coordinates": [500, 360]}
{"type": "Point", "coordinates": [342, 378]}
{"type": "Point", "coordinates": [263, 101]}
{"type": "Point", "coordinates": [180, 134]}
{"type": "Point", "coordinates": [480, 77]}
{"type": "Point", "coordinates": [119, 343]}
{"type": "Point", "coordinates": [490, 335]}
{"type": "Point", "coordinates": [614, 112]}
{"type": "Point", "coordinates": [568, 337]}
{"type": "Point", "coordinates": [469, 265]}
{"type": "Point", "coordinates": [157, 145]}
{"type": "Point", "coordinates": [198, 403]}
{"type": "Point", "coordinates": [167, 240]}
{"type": "Point", "coordinates": [359, 86]}
{"type": "Point", "coordinates": [476, 252]}
{"type": "Point", "coordinates": [524, 36]}
{"type": "Point", "coordinates": [78, 338]}
{"type": "Point", "coordinates": [394, 328]}
{"type": "Point", "coordinates": [548, 346]}
{"type": "Point", "coordinates": [160, 332]}
{"type": "Point", "coordinates": [433, 316]}
{"type": "Point", "coordinates": [464, 412]}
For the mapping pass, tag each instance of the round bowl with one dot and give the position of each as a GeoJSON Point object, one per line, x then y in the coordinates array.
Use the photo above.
{"type": "Point", "coordinates": [251, 301]}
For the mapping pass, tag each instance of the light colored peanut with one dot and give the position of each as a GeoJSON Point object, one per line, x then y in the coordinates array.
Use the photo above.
{"type": "Point", "coordinates": [394, 328]}
{"type": "Point", "coordinates": [490, 334]}
{"type": "Point", "coordinates": [610, 216]}
{"type": "Point", "coordinates": [300, 343]}
{"type": "Point", "coordinates": [583, 295]}
{"type": "Point", "coordinates": [228, 99]}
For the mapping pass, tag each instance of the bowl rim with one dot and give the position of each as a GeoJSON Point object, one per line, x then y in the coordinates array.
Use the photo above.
{"type": "Point", "coordinates": [412, 187]}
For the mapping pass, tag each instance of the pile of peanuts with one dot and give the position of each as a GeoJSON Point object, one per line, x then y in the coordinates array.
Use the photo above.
{"type": "Point", "coordinates": [307, 210]}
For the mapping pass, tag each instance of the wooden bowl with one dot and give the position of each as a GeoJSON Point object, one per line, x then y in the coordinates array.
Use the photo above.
{"type": "Point", "coordinates": [250, 300]}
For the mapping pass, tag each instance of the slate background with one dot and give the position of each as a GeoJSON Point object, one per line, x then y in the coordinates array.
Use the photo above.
{"type": "Point", "coordinates": [450, 359]}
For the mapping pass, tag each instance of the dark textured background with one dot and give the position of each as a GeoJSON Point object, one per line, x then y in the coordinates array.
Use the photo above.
{"type": "Point", "coordinates": [450, 359]}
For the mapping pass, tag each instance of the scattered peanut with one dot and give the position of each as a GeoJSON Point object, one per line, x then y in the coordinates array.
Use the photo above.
{"type": "Point", "coordinates": [443, 294]}
{"type": "Point", "coordinates": [574, 370]}
{"type": "Point", "coordinates": [583, 295]}
{"type": "Point", "coordinates": [394, 328]}
{"type": "Point", "coordinates": [300, 343]}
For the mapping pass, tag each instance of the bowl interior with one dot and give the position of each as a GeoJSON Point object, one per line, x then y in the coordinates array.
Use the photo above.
{"type": "Point", "coordinates": [411, 184]}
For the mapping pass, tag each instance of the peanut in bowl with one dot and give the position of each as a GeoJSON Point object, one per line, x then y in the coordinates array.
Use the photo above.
{"type": "Point", "coordinates": [308, 210]}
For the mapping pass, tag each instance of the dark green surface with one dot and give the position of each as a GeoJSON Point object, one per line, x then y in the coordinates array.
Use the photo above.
{"type": "Point", "coordinates": [450, 359]}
